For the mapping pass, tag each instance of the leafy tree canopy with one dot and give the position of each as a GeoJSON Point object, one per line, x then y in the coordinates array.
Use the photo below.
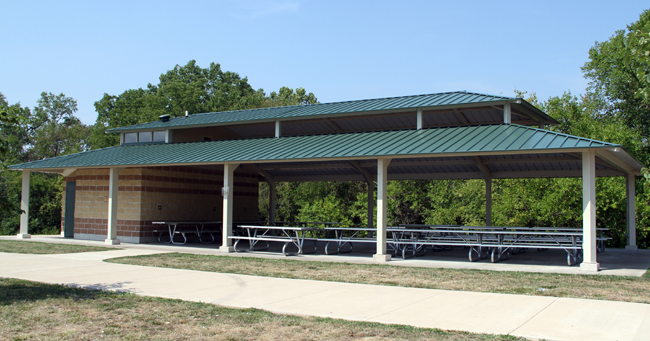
{"type": "Point", "coordinates": [51, 129]}
{"type": "Point", "coordinates": [190, 89]}
{"type": "Point", "coordinates": [618, 72]}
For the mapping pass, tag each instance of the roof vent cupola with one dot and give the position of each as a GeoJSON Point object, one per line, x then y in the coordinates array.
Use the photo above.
{"type": "Point", "coordinates": [164, 118]}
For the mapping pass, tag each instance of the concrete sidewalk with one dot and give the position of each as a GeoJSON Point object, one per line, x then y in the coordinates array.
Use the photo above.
{"type": "Point", "coordinates": [528, 316]}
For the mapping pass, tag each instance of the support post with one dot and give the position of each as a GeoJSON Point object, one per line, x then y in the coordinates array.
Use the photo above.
{"type": "Point", "coordinates": [507, 117]}
{"type": "Point", "coordinates": [488, 201]}
{"type": "Point", "coordinates": [371, 206]}
{"type": "Point", "coordinates": [24, 205]}
{"type": "Point", "coordinates": [272, 195]}
{"type": "Point", "coordinates": [419, 119]}
{"type": "Point", "coordinates": [382, 182]}
{"type": "Point", "coordinates": [227, 192]}
{"type": "Point", "coordinates": [277, 128]}
{"type": "Point", "coordinates": [589, 262]}
{"type": "Point", "coordinates": [111, 237]}
{"type": "Point", "coordinates": [631, 213]}
{"type": "Point", "coordinates": [168, 136]}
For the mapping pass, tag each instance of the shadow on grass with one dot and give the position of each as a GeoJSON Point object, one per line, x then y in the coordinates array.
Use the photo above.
{"type": "Point", "coordinates": [16, 291]}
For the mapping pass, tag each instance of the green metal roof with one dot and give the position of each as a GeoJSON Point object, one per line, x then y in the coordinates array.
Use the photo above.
{"type": "Point", "coordinates": [470, 140]}
{"type": "Point", "coordinates": [458, 98]}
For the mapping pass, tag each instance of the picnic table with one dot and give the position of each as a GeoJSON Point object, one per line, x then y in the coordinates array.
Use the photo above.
{"type": "Point", "coordinates": [345, 236]}
{"type": "Point", "coordinates": [491, 241]}
{"type": "Point", "coordinates": [288, 235]}
{"type": "Point", "coordinates": [184, 227]}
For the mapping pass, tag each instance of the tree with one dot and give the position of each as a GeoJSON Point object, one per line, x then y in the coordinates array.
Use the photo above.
{"type": "Point", "coordinates": [618, 72]}
{"type": "Point", "coordinates": [54, 130]}
{"type": "Point", "coordinates": [50, 130]}
{"type": "Point", "coordinates": [8, 119]}
{"type": "Point", "coordinates": [190, 89]}
{"type": "Point", "coordinates": [637, 44]}
{"type": "Point", "coordinates": [287, 96]}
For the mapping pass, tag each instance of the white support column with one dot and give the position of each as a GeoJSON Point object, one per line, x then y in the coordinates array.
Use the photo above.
{"type": "Point", "coordinates": [507, 117]}
{"type": "Point", "coordinates": [419, 119]}
{"type": "Point", "coordinates": [382, 182]}
{"type": "Point", "coordinates": [631, 213]}
{"type": "Point", "coordinates": [488, 202]}
{"type": "Point", "coordinates": [168, 136]}
{"type": "Point", "coordinates": [371, 206]}
{"type": "Point", "coordinates": [227, 192]}
{"type": "Point", "coordinates": [24, 205]}
{"type": "Point", "coordinates": [589, 262]}
{"type": "Point", "coordinates": [277, 128]}
{"type": "Point", "coordinates": [111, 237]}
{"type": "Point", "coordinates": [272, 195]}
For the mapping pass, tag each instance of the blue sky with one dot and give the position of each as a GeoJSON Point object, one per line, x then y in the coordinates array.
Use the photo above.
{"type": "Point", "coordinates": [339, 50]}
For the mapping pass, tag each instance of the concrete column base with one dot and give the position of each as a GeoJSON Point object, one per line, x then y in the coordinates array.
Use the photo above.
{"type": "Point", "coordinates": [23, 236]}
{"type": "Point", "coordinates": [226, 249]}
{"type": "Point", "coordinates": [591, 267]}
{"type": "Point", "coordinates": [62, 234]}
{"type": "Point", "coordinates": [381, 258]}
{"type": "Point", "coordinates": [631, 247]}
{"type": "Point", "coordinates": [112, 241]}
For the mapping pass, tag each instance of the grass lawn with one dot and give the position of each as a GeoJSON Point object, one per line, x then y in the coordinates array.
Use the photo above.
{"type": "Point", "coordinates": [36, 311]}
{"type": "Point", "coordinates": [22, 246]}
{"type": "Point", "coordinates": [613, 288]}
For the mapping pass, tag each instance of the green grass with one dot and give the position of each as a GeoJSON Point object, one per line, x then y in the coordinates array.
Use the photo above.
{"type": "Point", "coordinates": [23, 246]}
{"type": "Point", "coordinates": [613, 288]}
{"type": "Point", "coordinates": [37, 311]}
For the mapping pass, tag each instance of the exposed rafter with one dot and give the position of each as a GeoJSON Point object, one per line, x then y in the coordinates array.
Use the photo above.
{"type": "Point", "coordinates": [334, 126]}
{"type": "Point", "coordinates": [366, 174]}
{"type": "Point", "coordinates": [461, 116]}
{"type": "Point", "coordinates": [267, 176]}
{"type": "Point", "coordinates": [483, 167]}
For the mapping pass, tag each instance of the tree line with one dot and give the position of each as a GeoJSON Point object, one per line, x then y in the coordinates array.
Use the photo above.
{"type": "Point", "coordinates": [615, 108]}
{"type": "Point", "coordinates": [51, 129]}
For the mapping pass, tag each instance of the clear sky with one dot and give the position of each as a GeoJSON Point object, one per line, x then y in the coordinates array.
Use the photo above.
{"type": "Point", "coordinates": [339, 50]}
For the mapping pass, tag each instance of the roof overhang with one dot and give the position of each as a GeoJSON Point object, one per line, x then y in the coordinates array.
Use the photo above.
{"type": "Point", "coordinates": [495, 151]}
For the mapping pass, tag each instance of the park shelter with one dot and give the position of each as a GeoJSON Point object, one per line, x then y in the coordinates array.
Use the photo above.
{"type": "Point", "coordinates": [208, 166]}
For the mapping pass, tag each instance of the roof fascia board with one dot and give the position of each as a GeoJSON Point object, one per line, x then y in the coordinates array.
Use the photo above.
{"type": "Point", "coordinates": [619, 162]}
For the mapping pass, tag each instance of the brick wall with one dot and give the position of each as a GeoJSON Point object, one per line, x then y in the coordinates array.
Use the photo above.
{"type": "Point", "coordinates": [153, 194]}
